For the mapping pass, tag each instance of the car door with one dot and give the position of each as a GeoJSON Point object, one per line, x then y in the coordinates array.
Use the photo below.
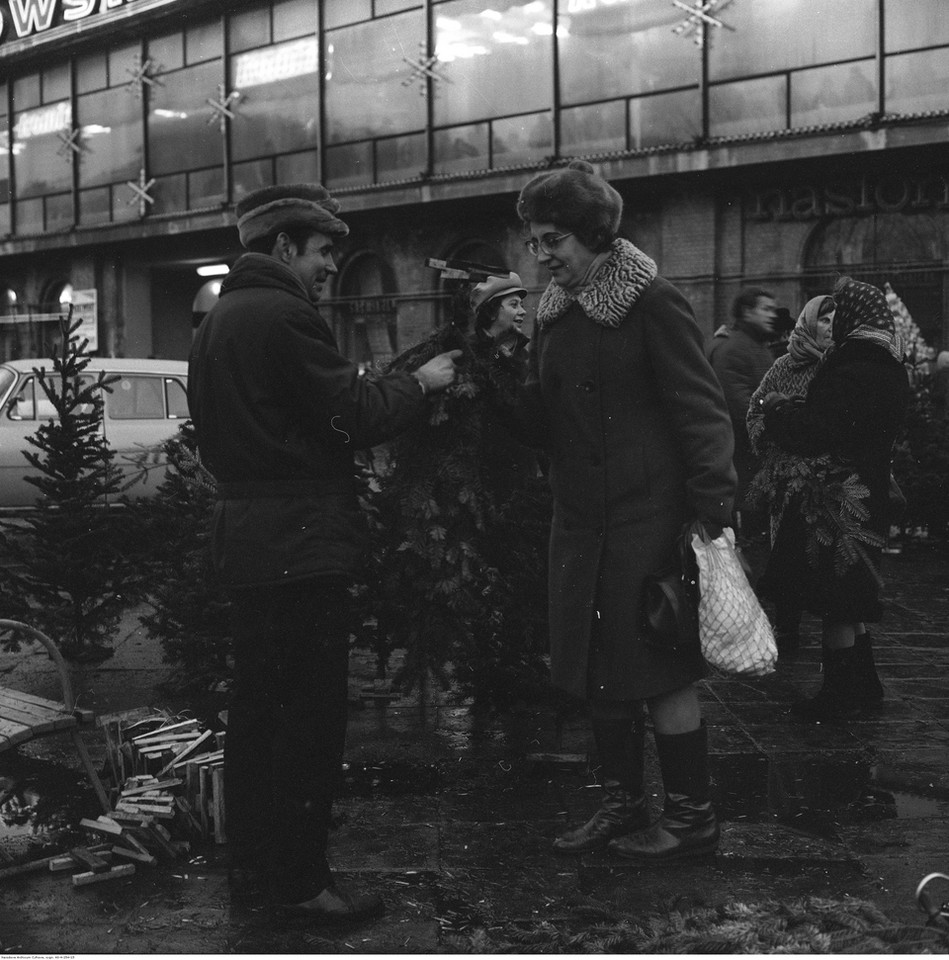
{"type": "Point", "coordinates": [142, 411]}
{"type": "Point", "coordinates": [24, 410]}
{"type": "Point", "coordinates": [22, 414]}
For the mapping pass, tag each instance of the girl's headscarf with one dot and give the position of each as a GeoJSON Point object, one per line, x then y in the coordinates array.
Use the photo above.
{"type": "Point", "coordinates": [803, 344]}
{"type": "Point", "coordinates": [863, 314]}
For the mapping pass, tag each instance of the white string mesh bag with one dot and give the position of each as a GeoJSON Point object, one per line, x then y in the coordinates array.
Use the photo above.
{"type": "Point", "coordinates": [735, 632]}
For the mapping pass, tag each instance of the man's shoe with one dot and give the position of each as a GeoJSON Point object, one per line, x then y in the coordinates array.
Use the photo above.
{"type": "Point", "coordinates": [332, 906]}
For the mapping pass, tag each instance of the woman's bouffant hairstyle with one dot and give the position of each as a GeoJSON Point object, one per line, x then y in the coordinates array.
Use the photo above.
{"type": "Point", "coordinates": [577, 200]}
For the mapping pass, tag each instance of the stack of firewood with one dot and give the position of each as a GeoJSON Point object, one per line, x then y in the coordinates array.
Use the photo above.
{"type": "Point", "coordinates": [168, 789]}
{"type": "Point", "coordinates": [170, 770]}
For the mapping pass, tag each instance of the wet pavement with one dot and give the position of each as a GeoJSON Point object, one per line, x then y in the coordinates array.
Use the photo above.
{"type": "Point", "coordinates": [449, 813]}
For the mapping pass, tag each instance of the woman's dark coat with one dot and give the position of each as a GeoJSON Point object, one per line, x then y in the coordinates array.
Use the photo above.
{"type": "Point", "coordinates": [853, 410]}
{"type": "Point", "coordinates": [639, 442]}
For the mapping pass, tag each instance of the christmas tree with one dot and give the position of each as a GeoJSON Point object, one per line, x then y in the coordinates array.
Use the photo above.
{"type": "Point", "coordinates": [72, 578]}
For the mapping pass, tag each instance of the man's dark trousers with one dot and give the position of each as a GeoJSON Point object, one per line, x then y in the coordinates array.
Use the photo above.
{"type": "Point", "coordinates": [286, 731]}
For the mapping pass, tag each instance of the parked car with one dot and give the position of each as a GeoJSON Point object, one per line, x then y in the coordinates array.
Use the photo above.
{"type": "Point", "coordinates": [145, 407]}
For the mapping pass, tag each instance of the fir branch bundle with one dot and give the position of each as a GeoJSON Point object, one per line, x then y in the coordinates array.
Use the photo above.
{"type": "Point", "coordinates": [830, 498]}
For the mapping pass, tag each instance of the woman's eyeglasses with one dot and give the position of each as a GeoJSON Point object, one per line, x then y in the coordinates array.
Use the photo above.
{"type": "Point", "coordinates": [548, 243]}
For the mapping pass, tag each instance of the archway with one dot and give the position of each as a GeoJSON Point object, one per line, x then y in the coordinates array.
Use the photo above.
{"type": "Point", "coordinates": [905, 251]}
{"type": "Point", "coordinates": [366, 316]}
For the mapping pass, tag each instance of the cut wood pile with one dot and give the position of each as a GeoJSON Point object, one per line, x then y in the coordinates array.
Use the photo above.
{"type": "Point", "coordinates": [169, 791]}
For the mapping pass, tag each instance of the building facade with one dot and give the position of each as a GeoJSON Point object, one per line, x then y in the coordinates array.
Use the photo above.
{"type": "Point", "coordinates": [775, 142]}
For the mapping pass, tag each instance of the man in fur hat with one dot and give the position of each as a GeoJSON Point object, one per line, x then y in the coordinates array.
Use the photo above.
{"type": "Point", "coordinates": [278, 412]}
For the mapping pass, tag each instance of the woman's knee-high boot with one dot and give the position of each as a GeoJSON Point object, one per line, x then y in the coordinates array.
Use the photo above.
{"type": "Point", "coordinates": [837, 697]}
{"type": "Point", "coordinates": [688, 826]}
{"type": "Point", "coordinates": [619, 744]}
{"type": "Point", "coordinates": [867, 687]}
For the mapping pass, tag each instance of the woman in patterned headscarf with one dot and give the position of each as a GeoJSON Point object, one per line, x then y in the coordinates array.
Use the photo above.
{"type": "Point", "coordinates": [790, 374]}
{"type": "Point", "coordinates": [851, 414]}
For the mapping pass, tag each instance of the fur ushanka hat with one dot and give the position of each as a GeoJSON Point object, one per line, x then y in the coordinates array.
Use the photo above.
{"type": "Point", "coordinates": [575, 198]}
{"type": "Point", "coordinates": [290, 205]}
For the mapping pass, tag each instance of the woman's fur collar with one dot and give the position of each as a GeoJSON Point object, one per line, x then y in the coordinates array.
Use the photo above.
{"type": "Point", "coordinates": [607, 298]}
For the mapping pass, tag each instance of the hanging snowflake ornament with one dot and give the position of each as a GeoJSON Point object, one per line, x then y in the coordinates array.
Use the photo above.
{"type": "Point", "coordinates": [700, 16]}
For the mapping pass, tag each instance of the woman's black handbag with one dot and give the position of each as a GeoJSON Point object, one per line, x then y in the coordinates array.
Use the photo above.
{"type": "Point", "coordinates": [670, 601]}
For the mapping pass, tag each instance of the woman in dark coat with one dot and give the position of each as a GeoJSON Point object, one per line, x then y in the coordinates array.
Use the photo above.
{"type": "Point", "coordinates": [852, 412]}
{"type": "Point", "coordinates": [639, 442]}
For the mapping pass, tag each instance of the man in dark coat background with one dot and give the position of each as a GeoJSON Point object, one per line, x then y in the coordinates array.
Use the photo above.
{"type": "Point", "coordinates": [740, 357]}
{"type": "Point", "coordinates": [278, 413]}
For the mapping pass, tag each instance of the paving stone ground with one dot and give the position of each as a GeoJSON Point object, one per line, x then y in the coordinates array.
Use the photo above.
{"type": "Point", "coordinates": [450, 817]}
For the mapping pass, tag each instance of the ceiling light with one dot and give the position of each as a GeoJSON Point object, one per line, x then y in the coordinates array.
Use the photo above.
{"type": "Point", "coordinates": [214, 270]}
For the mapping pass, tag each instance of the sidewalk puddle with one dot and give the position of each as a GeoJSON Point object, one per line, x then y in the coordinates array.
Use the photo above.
{"type": "Point", "coordinates": [41, 805]}
{"type": "Point", "coordinates": [813, 794]}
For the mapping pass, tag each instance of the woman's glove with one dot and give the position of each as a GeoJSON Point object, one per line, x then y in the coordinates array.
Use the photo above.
{"type": "Point", "coordinates": [771, 400]}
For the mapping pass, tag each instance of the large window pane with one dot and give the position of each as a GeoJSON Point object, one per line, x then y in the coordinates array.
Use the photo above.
{"type": "Point", "coordinates": [336, 13]}
{"type": "Point", "coordinates": [749, 106]}
{"type": "Point", "coordinates": [29, 216]}
{"type": "Point", "coordinates": [59, 212]}
{"type": "Point", "coordinates": [365, 70]}
{"type": "Point", "coordinates": [664, 118]}
{"type": "Point", "coordinates": [203, 42]}
{"type": "Point", "coordinates": [280, 95]}
{"type": "Point", "coordinates": [92, 72]}
{"type": "Point", "coordinates": [206, 188]}
{"type": "Point", "coordinates": [400, 157]}
{"type": "Point", "coordinates": [56, 84]}
{"type": "Point", "coordinates": [462, 148]}
{"type": "Point", "coordinates": [167, 53]}
{"type": "Point", "coordinates": [95, 206]}
{"type": "Point", "coordinates": [248, 177]}
{"type": "Point", "coordinates": [497, 61]}
{"type": "Point", "coordinates": [394, 6]}
{"type": "Point", "coordinates": [124, 63]}
{"type": "Point", "coordinates": [294, 18]}
{"type": "Point", "coordinates": [248, 28]}
{"type": "Point", "coordinates": [111, 130]}
{"type": "Point", "coordinates": [298, 167]}
{"type": "Point", "coordinates": [833, 94]}
{"type": "Point", "coordinates": [170, 193]}
{"type": "Point", "coordinates": [42, 163]}
{"type": "Point", "coordinates": [349, 165]}
{"type": "Point", "coordinates": [917, 82]}
{"type": "Point", "coordinates": [519, 140]}
{"type": "Point", "coordinates": [26, 91]}
{"type": "Point", "coordinates": [600, 128]}
{"type": "Point", "coordinates": [179, 135]}
{"type": "Point", "coordinates": [4, 159]}
{"type": "Point", "coordinates": [772, 35]}
{"type": "Point", "coordinates": [612, 51]}
{"type": "Point", "coordinates": [915, 23]}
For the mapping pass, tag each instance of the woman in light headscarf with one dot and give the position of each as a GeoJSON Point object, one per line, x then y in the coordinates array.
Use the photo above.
{"type": "Point", "coordinates": [850, 417]}
{"type": "Point", "coordinates": [790, 375]}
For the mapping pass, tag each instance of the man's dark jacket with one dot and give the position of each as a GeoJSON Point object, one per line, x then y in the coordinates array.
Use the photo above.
{"type": "Point", "coordinates": [279, 413]}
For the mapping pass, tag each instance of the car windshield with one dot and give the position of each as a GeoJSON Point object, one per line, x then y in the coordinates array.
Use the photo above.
{"type": "Point", "coordinates": [7, 378]}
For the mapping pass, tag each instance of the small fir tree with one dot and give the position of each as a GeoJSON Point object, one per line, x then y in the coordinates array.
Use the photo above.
{"type": "Point", "coordinates": [72, 578]}
{"type": "Point", "coordinates": [190, 611]}
{"type": "Point", "coordinates": [458, 570]}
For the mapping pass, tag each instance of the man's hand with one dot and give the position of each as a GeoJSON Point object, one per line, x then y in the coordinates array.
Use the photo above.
{"type": "Point", "coordinates": [439, 372]}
